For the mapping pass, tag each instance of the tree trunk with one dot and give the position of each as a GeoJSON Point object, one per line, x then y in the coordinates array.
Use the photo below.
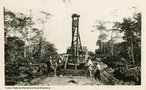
{"type": "Point", "coordinates": [25, 52]}
{"type": "Point", "coordinates": [130, 50]}
{"type": "Point", "coordinates": [112, 44]}
{"type": "Point", "coordinates": [132, 53]}
{"type": "Point", "coordinates": [40, 47]}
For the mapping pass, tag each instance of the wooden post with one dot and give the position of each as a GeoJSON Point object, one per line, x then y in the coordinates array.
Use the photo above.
{"type": "Point", "coordinates": [66, 59]}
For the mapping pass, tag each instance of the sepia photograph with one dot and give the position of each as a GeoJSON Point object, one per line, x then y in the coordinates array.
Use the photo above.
{"type": "Point", "coordinates": [72, 42]}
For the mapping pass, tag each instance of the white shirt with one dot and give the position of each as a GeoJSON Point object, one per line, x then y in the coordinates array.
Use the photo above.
{"type": "Point", "coordinates": [89, 64]}
{"type": "Point", "coordinates": [98, 67]}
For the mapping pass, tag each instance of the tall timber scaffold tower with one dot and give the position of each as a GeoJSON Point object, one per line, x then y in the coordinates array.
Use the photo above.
{"type": "Point", "coordinates": [76, 47]}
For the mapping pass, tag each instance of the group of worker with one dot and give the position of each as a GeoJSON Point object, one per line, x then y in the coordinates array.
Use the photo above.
{"type": "Point", "coordinates": [54, 65]}
{"type": "Point", "coordinates": [97, 68]}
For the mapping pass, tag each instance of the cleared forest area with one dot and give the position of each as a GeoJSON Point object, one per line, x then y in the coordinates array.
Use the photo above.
{"type": "Point", "coordinates": [27, 52]}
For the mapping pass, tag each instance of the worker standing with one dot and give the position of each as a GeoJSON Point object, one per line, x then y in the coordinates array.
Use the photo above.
{"type": "Point", "coordinates": [55, 65]}
{"type": "Point", "coordinates": [98, 69]}
{"type": "Point", "coordinates": [90, 65]}
{"type": "Point", "coordinates": [49, 64]}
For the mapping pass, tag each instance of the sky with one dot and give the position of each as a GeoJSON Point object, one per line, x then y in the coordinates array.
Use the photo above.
{"type": "Point", "coordinates": [58, 27]}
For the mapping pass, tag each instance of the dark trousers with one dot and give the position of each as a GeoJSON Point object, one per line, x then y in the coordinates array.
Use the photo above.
{"type": "Point", "coordinates": [97, 74]}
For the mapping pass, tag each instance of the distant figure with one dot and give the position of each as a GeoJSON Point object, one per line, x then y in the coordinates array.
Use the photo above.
{"type": "Point", "coordinates": [55, 65]}
{"type": "Point", "coordinates": [90, 65]}
{"type": "Point", "coordinates": [49, 65]}
{"type": "Point", "coordinates": [97, 73]}
{"type": "Point", "coordinates": [59, 67]}
{"type": "Point", "coordinates": [59, 64]}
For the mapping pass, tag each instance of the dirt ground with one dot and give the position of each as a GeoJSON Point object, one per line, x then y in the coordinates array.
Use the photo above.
{"type": "Point", "coordinates": [61, 80]}
{"type": "Point", "coordinates": [68, 80]}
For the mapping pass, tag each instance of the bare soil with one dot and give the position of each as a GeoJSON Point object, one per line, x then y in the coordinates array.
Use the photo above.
{"type": "Point", "coordinates": [61, 80]}
{"type": "Point", "coordinates": [67, 80]}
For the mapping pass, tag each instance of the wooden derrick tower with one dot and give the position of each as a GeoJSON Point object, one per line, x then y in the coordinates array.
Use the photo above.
{"type": "Point", "coordinates": [76, 47]}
